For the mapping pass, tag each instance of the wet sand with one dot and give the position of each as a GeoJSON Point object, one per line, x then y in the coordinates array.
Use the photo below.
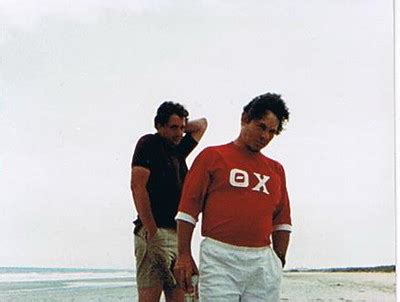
{"type": "Point", "coordinates": [296, 286]}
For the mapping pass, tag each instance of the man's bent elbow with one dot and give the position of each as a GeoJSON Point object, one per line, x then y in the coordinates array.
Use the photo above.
{"type": "Point", "coordinates": [203, 124]}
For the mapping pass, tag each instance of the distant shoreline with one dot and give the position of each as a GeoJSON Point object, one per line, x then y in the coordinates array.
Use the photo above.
{"type": "Point", "coordinates": [381, 268]}
{"type": "Point", "coordinates": [375, 269]}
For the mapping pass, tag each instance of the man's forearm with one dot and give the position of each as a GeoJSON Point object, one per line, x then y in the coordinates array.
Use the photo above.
{"type": "Point", "coordinates": [196, 128]}
{"type": "Point", "coordinates": [185, 233]}
{"type": "Point", "coordinates": [195, 125]}
{"type": "Point", "coordinates": [139, 178]}
{"type": "Point", "coordinates": [143, 207]}
{"type": "Point", "coordinates": [280, 243]}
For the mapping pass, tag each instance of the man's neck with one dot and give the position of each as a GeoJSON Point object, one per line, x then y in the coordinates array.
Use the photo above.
{"type": "Point", "coordinates": [239, 143]}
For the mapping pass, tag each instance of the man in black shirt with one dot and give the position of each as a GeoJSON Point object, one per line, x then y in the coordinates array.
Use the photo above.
{"type": "Point", "coordinates": [158, 172]}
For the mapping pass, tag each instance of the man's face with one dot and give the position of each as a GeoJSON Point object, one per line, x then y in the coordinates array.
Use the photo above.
{"type": "Point", "coordinates": [173, 130]}
{"type": "Point", "coordinates": [256, 134]}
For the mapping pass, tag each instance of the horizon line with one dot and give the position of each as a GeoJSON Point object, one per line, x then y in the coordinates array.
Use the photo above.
{"type": "Point", "coordinates": [132, 268]}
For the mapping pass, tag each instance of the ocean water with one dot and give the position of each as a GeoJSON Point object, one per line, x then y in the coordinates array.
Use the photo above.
{"type": "Point", "coordinates": [90, 285]}
{"type": "Point", "coordinates": [54, 284]}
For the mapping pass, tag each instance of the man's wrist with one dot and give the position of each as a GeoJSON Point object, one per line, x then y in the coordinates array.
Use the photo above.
{"type": "Point", "coordinates": [281, 257]}
{"type": "Point", "coordinates": [150, 230]}
{"type": "Point", "coordinates": [184, 253]}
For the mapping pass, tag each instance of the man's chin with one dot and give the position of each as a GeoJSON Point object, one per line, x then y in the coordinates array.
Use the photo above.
{"type": "Point", "coordinates": [257, 147]}
{"type": "Point", "coordinates": [253, 149]}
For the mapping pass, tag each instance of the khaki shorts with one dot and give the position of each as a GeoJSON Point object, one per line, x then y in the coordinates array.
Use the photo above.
{"type": "Point", "coordinates": [155, 258]}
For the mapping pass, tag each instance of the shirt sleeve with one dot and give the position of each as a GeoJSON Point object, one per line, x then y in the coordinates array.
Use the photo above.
{"type": "Point", "coordinates": [195, 188]}
{"type": "Point", "coordinates": [282, 219]}
{"type": "Point", "coordinates": [144, 152]}
{"type": "Point", "coordinates": [187, 144]}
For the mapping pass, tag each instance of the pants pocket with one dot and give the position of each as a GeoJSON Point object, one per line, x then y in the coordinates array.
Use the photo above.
{"type": "Point", "coordinates": [277, 260]}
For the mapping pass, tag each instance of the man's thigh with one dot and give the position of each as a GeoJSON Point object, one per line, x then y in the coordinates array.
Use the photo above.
{"type": "Point", "coordinates": [219, 280]}
{"type": "Point", "coordinates": [263, 282]}
{"type": "Point", "coordinates": [154, 259]}
{"type": "Point", "coordinates": [174, 294]}
{"type": "Point", "coordinates": [150, 294]}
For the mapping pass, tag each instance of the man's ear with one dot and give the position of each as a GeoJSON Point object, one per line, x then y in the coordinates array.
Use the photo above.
{"type": "Point", "coordinates": [244, 119]}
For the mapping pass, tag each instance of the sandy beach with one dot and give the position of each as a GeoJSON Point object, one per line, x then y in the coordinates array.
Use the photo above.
{"type": "Point", "coordinates": [348, 286]}
{"type": "Point", "coordinates": [296, 286]}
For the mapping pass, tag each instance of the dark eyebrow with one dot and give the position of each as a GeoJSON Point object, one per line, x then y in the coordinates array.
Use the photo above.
{"type": "Point", "coordinates": [265, 127]}
{"type": "Point", "coordinates": [176, 126]}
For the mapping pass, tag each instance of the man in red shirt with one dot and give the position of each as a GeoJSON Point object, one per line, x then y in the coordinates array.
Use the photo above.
{"type": "Point", "coordinates": [243, 199]}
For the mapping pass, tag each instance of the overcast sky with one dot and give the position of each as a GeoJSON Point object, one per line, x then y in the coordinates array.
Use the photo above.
{"type": "Point", "coordinates": [80, 83]}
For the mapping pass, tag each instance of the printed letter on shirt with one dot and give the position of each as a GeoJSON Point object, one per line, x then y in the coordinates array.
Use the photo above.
{"type": "Point", "coordinates": [239, 178]}
{"type": "Point", "coordinates": [262, 183]}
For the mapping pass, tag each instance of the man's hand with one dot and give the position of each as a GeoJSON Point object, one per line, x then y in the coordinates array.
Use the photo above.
{"type": "Point", "coordinates": [184, 269]}
{"type": "Point", "coordinates": [150, 233]}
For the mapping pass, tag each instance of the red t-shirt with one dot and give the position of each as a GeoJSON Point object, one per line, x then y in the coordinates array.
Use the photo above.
{"type": "Point", "coordinates": [242, 196]}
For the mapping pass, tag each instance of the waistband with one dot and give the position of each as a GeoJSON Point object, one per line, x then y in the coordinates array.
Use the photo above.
{"type": "Point", "coordinates": [235, 247]}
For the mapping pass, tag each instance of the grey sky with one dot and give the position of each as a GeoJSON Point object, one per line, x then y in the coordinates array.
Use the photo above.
{"type": "Point", "coordinates": [81, 83]}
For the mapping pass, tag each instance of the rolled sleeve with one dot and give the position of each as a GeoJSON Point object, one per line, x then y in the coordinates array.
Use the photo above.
{"type": "Point", "coordinates": [144, 152]}
{"type": "Point", "coordinates": [186, 217]}
{"type": "Point", "coordinates": [282, 227]}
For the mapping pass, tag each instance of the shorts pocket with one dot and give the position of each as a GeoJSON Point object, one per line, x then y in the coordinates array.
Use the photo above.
{"type": "Point", "coordinates": [279, 262]}
{"type": "Point", "coordinates": [140, 249]}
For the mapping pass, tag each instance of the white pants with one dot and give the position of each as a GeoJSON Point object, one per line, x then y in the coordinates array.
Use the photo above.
{"type": "Point", "coordinates": [232, 273]}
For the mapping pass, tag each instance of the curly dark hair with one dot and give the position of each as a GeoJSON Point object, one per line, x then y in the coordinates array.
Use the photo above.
{"type": "Point", "coordinates": [167, 109]}
{"type": "Point", "coordinates": [267, 102]}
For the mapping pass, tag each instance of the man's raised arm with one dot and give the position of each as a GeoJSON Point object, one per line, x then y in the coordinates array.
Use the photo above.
{"type": "Point", "coordinates": [196, 128]}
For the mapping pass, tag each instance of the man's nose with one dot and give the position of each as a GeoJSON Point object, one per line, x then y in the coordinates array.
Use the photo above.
{"type": "Point", "coordinates": [180, 132]}
{"type": "Point", "coordinates": [266, 135]}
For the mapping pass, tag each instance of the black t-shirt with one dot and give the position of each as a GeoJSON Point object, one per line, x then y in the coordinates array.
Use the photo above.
{"type": "Point", "coordinates": [168, 169]}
